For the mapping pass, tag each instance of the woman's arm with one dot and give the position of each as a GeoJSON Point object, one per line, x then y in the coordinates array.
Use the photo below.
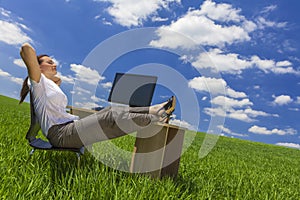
{"type": "Point", "coordinates": [28, 55]}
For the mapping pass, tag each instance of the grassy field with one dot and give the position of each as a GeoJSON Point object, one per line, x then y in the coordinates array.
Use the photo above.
{"type": "Point", "coordinates": [234, 169]}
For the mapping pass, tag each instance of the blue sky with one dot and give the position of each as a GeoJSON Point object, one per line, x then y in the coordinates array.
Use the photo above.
{"type": "Point", "coordinates": [252, 46]}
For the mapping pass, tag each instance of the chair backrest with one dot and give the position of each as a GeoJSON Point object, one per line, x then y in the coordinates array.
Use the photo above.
{"type": "Point", "coordinates": [132, 89]}
{"type": "Point", "coordinates": [38, 143]}
{"type": "Point", "coordinates": [34, 123]}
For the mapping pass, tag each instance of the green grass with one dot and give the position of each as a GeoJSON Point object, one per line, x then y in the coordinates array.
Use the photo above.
{"type": "Point", "coordinates": [234, 169]}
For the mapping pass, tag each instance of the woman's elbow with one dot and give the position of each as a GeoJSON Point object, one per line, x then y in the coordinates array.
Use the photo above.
{"type": "Point", "coordinates": [27, 51]}
{"type": "Point", "coordinates": [25, 47]}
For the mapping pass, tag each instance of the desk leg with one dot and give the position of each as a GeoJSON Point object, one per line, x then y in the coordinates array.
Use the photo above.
{"type": "Point", "coordinates": [149, 150]}
{"type": "Point", "coordinates": [157, 155]}
{"type": "Point", "coordinates": [172, 152]}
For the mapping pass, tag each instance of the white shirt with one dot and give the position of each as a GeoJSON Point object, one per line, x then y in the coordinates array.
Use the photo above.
{"type": "Point", "coordinates": [49, 103]}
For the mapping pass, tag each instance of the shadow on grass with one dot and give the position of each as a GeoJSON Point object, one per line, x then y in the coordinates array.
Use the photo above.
{"type": "Point", "coordinates": [62, 169]}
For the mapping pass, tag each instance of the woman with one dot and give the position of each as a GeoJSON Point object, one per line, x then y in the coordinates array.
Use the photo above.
{"type": "Point", "coordinates": [65, 130]}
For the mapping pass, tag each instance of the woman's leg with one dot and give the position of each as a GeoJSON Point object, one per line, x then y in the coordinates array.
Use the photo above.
{"type": "Point", "coordinates": [113, 122]}
{"type": "Point", "coordinates": [138, 110]}
{"type": "Point", "coordinates": [64, 135]}
{"type": "Point", "coordinates": [109, 123]}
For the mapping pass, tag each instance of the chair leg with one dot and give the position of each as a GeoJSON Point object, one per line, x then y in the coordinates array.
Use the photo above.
{"type": "Point", "coordinates": [32, 151]}
{"type": "Point", "coordinates": [78, 159]}
{"type": "Point", "coordinates": [81, 152]}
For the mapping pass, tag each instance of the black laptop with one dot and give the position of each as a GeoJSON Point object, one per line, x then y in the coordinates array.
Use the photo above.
{"type": "Point", "coordinates": [132, 89]}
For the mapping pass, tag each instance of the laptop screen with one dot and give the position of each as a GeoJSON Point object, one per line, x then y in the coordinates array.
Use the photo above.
{"type": "Point", "coordinates": [132, 89]}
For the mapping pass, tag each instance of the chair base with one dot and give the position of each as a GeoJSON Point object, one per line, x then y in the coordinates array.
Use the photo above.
{"type": "Point", "coordinates": [44, 145]}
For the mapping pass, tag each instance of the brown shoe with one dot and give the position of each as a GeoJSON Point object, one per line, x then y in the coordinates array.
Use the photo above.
{"type": "Point", "coordinates": [170, 106]}
{"type": "Point", "coordinates": [169, 109]}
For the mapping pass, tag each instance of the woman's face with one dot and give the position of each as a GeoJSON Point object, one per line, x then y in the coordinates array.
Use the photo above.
{"type": "Point", "coordinates": [48, 66]}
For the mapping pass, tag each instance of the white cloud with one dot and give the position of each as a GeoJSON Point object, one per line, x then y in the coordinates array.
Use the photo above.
{"type": "Point", "coordinates": [255, 113]}
{"type": "Point", "coordinates": [4, 12]}
{"type": "Point", "coordinates": [12, 33]}
{"type": "Point", "coordinates": [225, 106]}
{"type": "Point", "coordinates": [283, 64]}
{"type": "Point", "coordinates": [264, 65]}
{"type": "Point", "coordinates": [235, 94]}
{"type": "Point", "coordinates": [282, 100]}
{"type": "Point", "coordinates": [86, 74]}
{"type": "Point", "coordinates": [217, 111]}
{"type": "Point", "coordinates": [106, 85]}
{"type": "Point", "coordinates": [87, 105]}
{"type": "Point", "coordinates": [97, 17]}
{"type": "Point", "coordinates": [11, 78]}
{"type": "Point", "coordinates": [86, 81]}
{"type": "Point", "coordinates": [262, 23]}
{"type": "Point", "coordinates": [66, 79]}
{"type": "Point", "coordinates": [134, 12]}
{"type": "Point", "coordinates": [4, 74]}
{"type": "Point", "coordinates": [288, 45]}
{"type": "Point", "coordinates": [81, 91]}
{"type": "Point", "coordinates": [256, 87]}
{"type": "Point", "coordinates": [214, 86]}
{"type": "Point", "coordinates": [229, 103]}
{"type": "Point", "coordinates": [105, 22]}
{"type": "Point", "coordinates": [159, 19]}
{"type": "Point", "coordinates": [298, 100]}
{"type": "Point", "coordinates": [217, 60]}
{"type": "Point", "coordinates": [221, 12]}
{"type": "Point", "coordinates": [232, 63]}
{"type": "Point", "coordinates": [239, 115]}
{"type": "Point", "coordinates": [218, 24]}
{"type": "Point", "coordinates": [97, 99]}
{"type": "Point", "coordinates": [280, 67]}
{"type": "Point", "coordinates": [206, 27]}
{"type": "Point", "coordinates": [268, 9]}
{"type": "Point", "coordinates": [94, 98]}
{"type": "Point", "coordinates": [19, 81]}
{"type": "Point", "coordinates": [288, 144]}
{"type": "Point", "coordinates": [183, 124]}
{"type": "Point", "coordinates": [228, 131]}
{"type": "Point", "coordinates": [264, 131]}
{"type": "Point", "coordinates": [234, 109]}
{"type": "Point", "coordinates": [207, 84]}
{"type": "Point", "coordinates": [20, 63]}
{"type": "Point", "coordinates": [287, 70]}
{"type": "Point", "coordinates": [246, 115]}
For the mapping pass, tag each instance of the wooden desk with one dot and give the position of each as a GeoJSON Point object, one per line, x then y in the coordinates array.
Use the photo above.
{"type": "Point", "coordinates": [157, 148]}
{"type": "Point", "coordinates": [81, 112]}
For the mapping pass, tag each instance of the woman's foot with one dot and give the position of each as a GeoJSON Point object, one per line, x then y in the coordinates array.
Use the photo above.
{"type": "Point", "coordinates": [170, 106]}
{"type": "Point", "coordinates": [168, 110]}
{"type": "Point", "coordinates": [164, 110]}
{"type": "Point", "coordinates": [157, 109]}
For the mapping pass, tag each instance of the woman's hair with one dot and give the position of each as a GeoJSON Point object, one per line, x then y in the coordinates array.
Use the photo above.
{"type": "Point", "coordinates": [25, 88]}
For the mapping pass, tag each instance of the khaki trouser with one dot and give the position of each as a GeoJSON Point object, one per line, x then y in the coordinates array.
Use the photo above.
{"type": "Point", "coordinates": [109, 123]}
